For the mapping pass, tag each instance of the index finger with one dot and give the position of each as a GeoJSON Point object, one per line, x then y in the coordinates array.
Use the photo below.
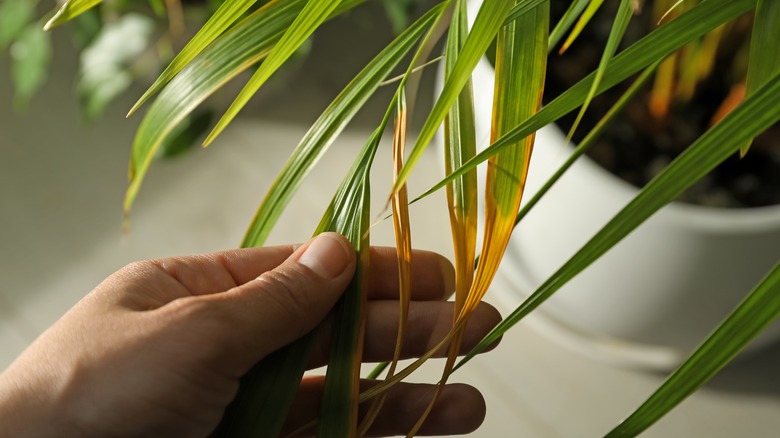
{"type": "Point", "coordinates": [433, 276]}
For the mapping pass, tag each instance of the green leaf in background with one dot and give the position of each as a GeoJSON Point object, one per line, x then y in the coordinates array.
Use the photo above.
{"type": "Point", "coordinates": [186, 135]}
{"type": "Point", "coordinates": [235, 51]}
{"type": "Point", "coordinates": [398, 12]}
{"type": "Point", "coordinates": [30, 59]}
{"type": "Point", "coordinates": [756, 312]}
{"type": "Point", "coordinates": [227, 14]}
{"type": "Point", "coordinates": [753, 116]}
{"type": "Point", "coordinates": [764, 61]}
{"type": "Point", "coordinates": [85, 28]}
{"type": "Point", "coordinates": [619, 26]}
{"type": "Point", "coordinates": [104, 70]}
{"type": "Point", "coordinates": [701, 19]}
{"type": "Point", "coordinates": [329, 125]}
{"type": "Point", "coordinates": [308, 20]}
{"type": "Point", "coordinates": [489, 20]}
{"type": "Point", "coordinates": [15, 15]}
{"type": "Point", "coordinates": [70, 10]}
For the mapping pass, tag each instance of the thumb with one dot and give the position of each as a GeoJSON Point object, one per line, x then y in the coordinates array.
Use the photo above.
{"type": "Point", "coordinates": [283, 304]}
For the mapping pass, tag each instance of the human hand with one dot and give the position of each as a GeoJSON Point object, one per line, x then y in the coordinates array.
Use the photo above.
{"type": "Point", "coordinates": [158, 348]}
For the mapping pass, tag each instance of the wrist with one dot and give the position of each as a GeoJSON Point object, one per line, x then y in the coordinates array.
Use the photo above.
{"type": "Point", "coordinates": [30, 405]}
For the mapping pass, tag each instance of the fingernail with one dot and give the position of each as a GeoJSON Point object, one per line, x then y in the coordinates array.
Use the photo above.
{"type": "Point", "coordinates": [327, 255]}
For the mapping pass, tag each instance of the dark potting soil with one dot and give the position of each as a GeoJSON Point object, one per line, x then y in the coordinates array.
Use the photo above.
{"type": "Point", "coordinates": [637, 145]}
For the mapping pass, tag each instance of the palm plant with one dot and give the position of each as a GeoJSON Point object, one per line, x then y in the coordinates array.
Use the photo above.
{"type": "Point", "coordinates": [232, 41]}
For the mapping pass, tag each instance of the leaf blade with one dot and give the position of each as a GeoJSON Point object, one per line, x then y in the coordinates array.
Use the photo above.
{"type": "Point", "coordinates": [313, 14]}
{"type": "Point", "coordinates": [759, 309]}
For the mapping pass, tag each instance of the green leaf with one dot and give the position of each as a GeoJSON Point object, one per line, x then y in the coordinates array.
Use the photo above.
{"type": "Point", "coordinates": [622, 18]}
{"type": "Point", "coordinates": [235, 51]}
{"type": "Point", "coordinates": [349, 214]}
{"type": "Point", "coordinates": [313, 14]}
{"type": "Point", "coordinates": [105, 66]}
{"type": "Point", "coordinates": [226, 15]}
{"type": "Point", "coordinates": [70, 10]}
{"type": "Point", "coordinates": [15, 15]}
{"type": "Point", "coordinates": [30, 57]}
{"type": "Point", "coordinates": [585, 18]}
{"type": "Point", "coordinates": [753, 116]}
{"type": "Point", "coordinates": [489, 20]}
{"type": "Point", "coordinates": [329, 125]}
{"type": "Point", "coordinates": [268, 390]}
{"type": "Point", "coordinates": [590, 139]}
{"type": "Point", "coordinates": [657, 45]}
{"type": "Point", "coordinates": [521, 8]}
{"type": "Point", "coordinates": [764, 62]}
{"type": "Point", "coordinates": [759, 309]}
{"type": "Point", "coordinates": [567, 21]}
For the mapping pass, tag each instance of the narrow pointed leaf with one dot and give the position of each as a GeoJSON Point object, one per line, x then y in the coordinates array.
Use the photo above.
{"type": "Point", "coordinates": [310, 18]}
{"type": "Point", "coordinates": [70, 10]}
{"type": "Point", "coordinates": [567, 21]}
{"type": "Point", "coordinates": [460, 146]}
{"type": "Point", "coordinates": [235, 51]}
{"type": "Point", "coordinates": [521, 8]}
{"type": "Point", "coordinates": [759, 309]}
{"type": "Point", "coordinates": [521, 61]}
{"type": "Point", "coordinates": [619, 26]}
{"type": "Point", "coordinates": [488, 21]}
{"type": "Point", "coordinates": [329, 125]}
{"type": "Point", "coordinates": [753, 116]}
{"type": "Point", "coordinates": [268, 390]}
{"type": "Point", "coordinates": [764, 61]}
{"type": "Point", "coordinates": [226, 15]}
{"type": "Point", "coordinates": [403, 244]}
{"type": "Point", "coordinates": [349, 215]}
{"type": "Point", "coordinates": [590, 139]}
{"type": "Point", "coordinates": [701, 19]}
{"type": "Point", "coordinates": [584, 19]}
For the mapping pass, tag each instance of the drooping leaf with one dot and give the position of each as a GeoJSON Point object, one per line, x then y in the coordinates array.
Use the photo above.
{"type": "Point", "coordinates": [764, 62]}
{"type": "Point", "coordinates": [584, 19]}
{"type": "Point", "coordinates": [657, 45]}
{"type": "Point", "coordinates": [329, 125]}
{"type": "Point", "coordinates": [750, 118]}
{"type": "Point", "coordinates": [235, 51]}
{"type": "Point", "coordinates": [459, 146]}
{"type": "Point", "coordinates": [619, 26]}
{"type": "Point", "coordinates": [489, 20]}
{"type": "Point", "coordinates": [349, 215]}
{"type": "Point", "coordinates": [226, 15]}
{"type": "Point", "coordinates": [759, 309]}
{"type": "Point", "coordinates": [268, 390]}
{"type": "Point", "coordinates": [70, 10]}
{"type": "Point", "coordinates": [521, 60]}
{"type": "Point", "coordinates": [314, 13]}
{"type": "Point", "coordinates": [403, 244]}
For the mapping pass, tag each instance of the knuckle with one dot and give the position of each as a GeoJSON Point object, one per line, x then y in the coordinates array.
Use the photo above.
{"type": "Point", "coordinates": [285, 291]}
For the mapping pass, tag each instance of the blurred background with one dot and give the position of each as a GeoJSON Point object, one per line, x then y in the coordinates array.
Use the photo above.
{"type": "Point", "coordinates": [64, 148]}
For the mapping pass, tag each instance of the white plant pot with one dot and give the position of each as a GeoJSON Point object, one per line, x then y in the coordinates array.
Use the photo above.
{"type": "Point", "coordinates": [657, 294]}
